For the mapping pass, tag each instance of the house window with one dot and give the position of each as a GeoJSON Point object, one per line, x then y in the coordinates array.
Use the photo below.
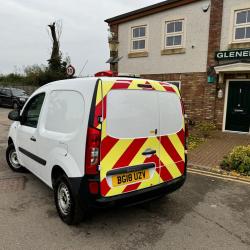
{"type": "Point", "coordinates": [175, 83]}
{"type": "Point", "coordinates": [139, 38]}
{"type": "Point", "coordinates": [174, 34]}
{"type": "Point", "coordinates": [242, 25]}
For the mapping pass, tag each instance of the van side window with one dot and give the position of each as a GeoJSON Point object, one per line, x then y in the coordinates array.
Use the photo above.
{"type": "Point", "coordinates": [64, 112]}
{"type": "Point", "coordinates": [32, 111]}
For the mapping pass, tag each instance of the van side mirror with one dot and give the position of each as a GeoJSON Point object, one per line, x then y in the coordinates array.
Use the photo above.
{"type": "Point", "coordinates": [14, 115]}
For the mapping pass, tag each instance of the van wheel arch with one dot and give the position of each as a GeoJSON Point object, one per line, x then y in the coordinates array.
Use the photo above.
{"type": "Point", "coordinates": [56, 172]}
{"type": "Point", "coordinates": [10, 141]}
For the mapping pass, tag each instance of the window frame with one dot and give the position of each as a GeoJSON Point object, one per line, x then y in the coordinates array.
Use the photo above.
{"type": "Point", "coordinates": [24, 113]}
{"type": "Point", "coordinates": [173, 34]}
{"type": "Point", "coordinates": [235, 26]}
{"type": "Point", "coordinates": [175, 84]}
{"type": "Point", "coordinates": [132, 39]}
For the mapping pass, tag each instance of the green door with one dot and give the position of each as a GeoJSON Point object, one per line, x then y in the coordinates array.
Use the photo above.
{"type": "Point", "coordinates": [238, 106]}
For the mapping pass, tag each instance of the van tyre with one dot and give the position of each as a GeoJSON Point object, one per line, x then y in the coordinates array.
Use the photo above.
{"type": "Point", "coordinates": [11, 157]}
{"type": "Point", "coordinates": [67, 205]}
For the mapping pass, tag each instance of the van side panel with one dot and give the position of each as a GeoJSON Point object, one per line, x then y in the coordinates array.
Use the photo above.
{"type": "Point", "coordinates": [169, 159]}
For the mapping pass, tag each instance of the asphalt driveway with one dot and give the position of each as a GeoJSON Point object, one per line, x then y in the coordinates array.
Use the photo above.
{"type": "Point", "coordinates": [207, 213]}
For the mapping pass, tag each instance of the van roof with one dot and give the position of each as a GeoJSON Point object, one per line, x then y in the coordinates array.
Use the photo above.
{"type": "Point", "coordinates": [87, 83]}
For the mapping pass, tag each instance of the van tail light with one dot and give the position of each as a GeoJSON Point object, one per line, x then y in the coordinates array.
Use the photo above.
{"type": "Point", "coordinates": [92, 151]}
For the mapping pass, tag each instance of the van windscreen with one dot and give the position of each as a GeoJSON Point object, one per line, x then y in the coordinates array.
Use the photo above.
{"type": "Point", "coordinates": [139, 113]}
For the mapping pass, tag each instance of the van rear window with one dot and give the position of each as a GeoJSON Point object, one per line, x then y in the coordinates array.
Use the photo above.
{"type": "Point", "coordinates": [138, 113]}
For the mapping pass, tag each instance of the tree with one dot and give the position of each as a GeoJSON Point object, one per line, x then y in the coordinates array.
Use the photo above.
{"type": "Point", "coordinates": [55, 62]}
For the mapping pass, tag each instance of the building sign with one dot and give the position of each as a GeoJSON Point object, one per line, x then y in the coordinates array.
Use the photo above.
{"type": "Point", "coordinates": [232, 55]}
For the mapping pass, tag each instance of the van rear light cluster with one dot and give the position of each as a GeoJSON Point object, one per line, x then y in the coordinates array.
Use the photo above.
{"type": "Point", "coordinates": [92, 151]}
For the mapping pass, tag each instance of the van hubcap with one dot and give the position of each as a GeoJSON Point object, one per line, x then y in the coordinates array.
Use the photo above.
{"type": "Point", "coordinates": [13, 159]}
{"type": "Point", "coordinates": [64, 200]}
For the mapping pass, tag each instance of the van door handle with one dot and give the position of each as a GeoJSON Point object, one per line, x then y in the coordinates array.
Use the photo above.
{"type": "Point", "coordinates": [149, 151]}
{"type": "Point", "coordinates": [33, 138]}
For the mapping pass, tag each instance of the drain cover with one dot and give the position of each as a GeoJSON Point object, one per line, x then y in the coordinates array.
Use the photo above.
{"type": "Point", "coordinates": [11, 184]}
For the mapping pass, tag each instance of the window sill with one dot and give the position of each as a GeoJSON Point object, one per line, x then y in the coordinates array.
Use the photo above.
{"type": "Point", "coordinates": [240, 45]}
{"type": "Point", "coordinates": [137, 54]}
{"type": "Point", "coordinates": [173, 51]}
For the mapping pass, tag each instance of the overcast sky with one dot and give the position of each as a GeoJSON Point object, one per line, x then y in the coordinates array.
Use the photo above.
{"type": "Point", "coordinates": [24, 39]}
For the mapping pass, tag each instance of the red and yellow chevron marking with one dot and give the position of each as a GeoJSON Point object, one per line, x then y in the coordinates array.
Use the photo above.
{"type": "Point", "coordinates": [169, 159]}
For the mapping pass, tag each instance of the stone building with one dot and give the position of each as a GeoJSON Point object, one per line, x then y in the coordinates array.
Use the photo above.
{"type": "Point", "coordinates": [203, 46]}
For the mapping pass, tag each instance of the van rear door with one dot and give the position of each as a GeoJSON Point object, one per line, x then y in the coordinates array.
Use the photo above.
{"type": "Point", "coordinates": [171, 136]}
{"type": "Point", "coordinates": [131, 135]}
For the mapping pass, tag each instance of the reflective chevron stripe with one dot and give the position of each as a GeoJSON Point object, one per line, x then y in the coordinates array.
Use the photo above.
{"type": "Point", "coordinates": [116, 153]}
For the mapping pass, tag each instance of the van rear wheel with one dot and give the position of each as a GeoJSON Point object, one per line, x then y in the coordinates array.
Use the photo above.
{"type": "Point", "coordinates": [68, 207]}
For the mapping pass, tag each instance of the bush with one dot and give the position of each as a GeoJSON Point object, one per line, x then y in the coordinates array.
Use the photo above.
{"type": "Point", "coordinates": [12, 78]}
{"type": "Point", "coordinates": [205, 128]}
{"type": "Point", "coordinates": [194, 141]}
{"type": "Point", "coordinates": [40, 75]}
{"type": "Point", "coordinates": [36, 75]}
{"type": "Point", "coordinates": [238, 160]}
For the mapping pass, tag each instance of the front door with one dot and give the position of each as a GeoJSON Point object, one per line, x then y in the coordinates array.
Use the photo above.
{"type": "Point", "coordinates": [238, 106]}
{"type": "Point", "coordinates": [27, 135]}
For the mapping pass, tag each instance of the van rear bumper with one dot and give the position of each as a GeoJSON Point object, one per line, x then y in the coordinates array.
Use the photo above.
{"type": "Point", "coordinates": [80, 191]}
{"type": "Point", "coordinates": [144, 195]}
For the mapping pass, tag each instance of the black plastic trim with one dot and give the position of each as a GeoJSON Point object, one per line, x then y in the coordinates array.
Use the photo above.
{"type": "Point", "coordinates": [93, 103]}
{"type": "Point", "coordinates": [149, 152]}
{"type": "Point", "coordinates": [32, 156]}
{"type": "Point", "coordinates": [145, 86]}
{"type": "Point", "coordinates": [130, 169]}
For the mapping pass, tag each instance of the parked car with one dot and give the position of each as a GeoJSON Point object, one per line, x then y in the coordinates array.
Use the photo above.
{"type": "Point", "coordinates": [100, 141]}
{"type": "Point", "coordinates": [13, 97]}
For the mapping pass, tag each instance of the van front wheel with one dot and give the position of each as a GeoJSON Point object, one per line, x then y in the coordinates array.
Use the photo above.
{"type": "Point", "coordinates": [67, 205]}
{"type": "Point", "coordinates": [12, 160]}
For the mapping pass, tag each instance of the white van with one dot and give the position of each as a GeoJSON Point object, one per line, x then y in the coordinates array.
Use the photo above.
{"type": "Point", "coordinates": [99, 141]}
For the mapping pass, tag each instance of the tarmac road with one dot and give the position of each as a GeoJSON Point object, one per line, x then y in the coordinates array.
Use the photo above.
{"type": "Point", "coordinates": [207, 213]}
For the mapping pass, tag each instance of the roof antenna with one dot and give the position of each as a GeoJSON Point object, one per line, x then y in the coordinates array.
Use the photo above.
{"type": "Point", "coordinates": [83, 67]}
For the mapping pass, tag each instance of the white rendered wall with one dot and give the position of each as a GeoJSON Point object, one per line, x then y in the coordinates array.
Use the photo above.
{"type": "Point", "coordinates": [196, 30]}
{"type": "Point", "coordinates": [228, 19]}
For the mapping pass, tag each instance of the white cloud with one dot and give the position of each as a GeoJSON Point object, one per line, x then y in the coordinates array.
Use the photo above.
{"type": "Point", "coordinates": [24, 39]}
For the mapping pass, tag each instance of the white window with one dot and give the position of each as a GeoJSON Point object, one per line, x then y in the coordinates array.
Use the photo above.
{"type": "Point", "coordinates": [137, 113]}
{"type": "Point", "coordinates": [170, 109]}
{"type": "Point", "coordinates": [174, 34]}
{"type": "Point", "coordinates": [65, 112]}
{"type": "Point", "coordinates": [242, 25]}
{"type": "Point", "coordinates": [139, 38]}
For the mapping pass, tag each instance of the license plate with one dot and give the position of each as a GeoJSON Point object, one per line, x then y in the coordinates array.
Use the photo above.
{"type": "Point", "coordinates": [127, 178]}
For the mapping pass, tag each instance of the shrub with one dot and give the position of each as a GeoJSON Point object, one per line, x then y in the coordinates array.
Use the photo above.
{"type": "Point", "coordinates": [194, 141]}
{"type": "Point", "coordinates": [238, 160]}
{"type": "Point", "coordinates": [36, 75]}
{"type": "Point", "coordinates": [205, 128]}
